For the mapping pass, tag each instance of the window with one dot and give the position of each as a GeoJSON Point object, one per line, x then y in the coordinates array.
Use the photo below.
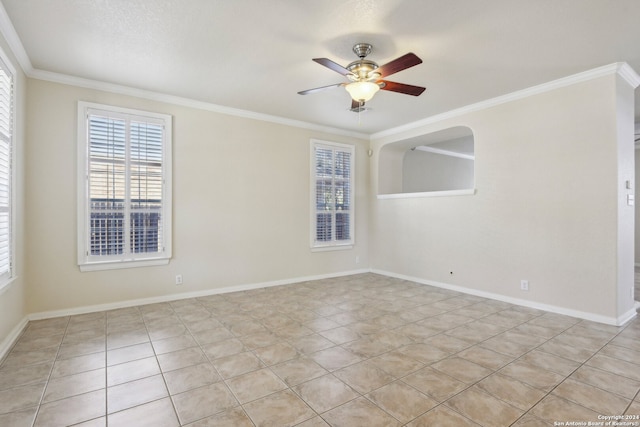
{"type": "Point", "coordinates": [332, 195]}
{"type": "Point", "coordinates": [124, 206]}
{"type": "Point", "coordinates": [6, 172]}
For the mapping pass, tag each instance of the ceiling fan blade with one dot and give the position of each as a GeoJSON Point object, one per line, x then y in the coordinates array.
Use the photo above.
{"type": "Point", "coordinates": [318, 89]}
{"type": "Point", "coordinates": [398, 64]}
{"type": "Point", "coordinates": [401, 88]}
{"type": "Point", "coordinates": [333, 66]}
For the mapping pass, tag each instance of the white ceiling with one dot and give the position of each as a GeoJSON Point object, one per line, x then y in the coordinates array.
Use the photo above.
{"type": "Point", "coordinates": [255, 55]}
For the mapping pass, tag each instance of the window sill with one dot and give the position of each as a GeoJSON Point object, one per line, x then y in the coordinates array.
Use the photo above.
{"type": "Point", "coordinates": [331, 248]}
{"type": "Point", "coordinates": [117, 265]}
{"type": "Point", "coordinates": [467, 192]}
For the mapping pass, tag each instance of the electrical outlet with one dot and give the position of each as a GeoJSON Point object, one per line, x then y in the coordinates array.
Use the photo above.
{"type": "Point", "coordinates": [524, 285]}
{"type": "Point", "coordinates": [179, 279]}
{"type": "Point", "coordinates": [357, 259]}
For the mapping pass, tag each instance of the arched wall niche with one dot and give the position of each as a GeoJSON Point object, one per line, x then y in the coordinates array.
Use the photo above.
{"type": "Point", "coordinates": [433, 164]}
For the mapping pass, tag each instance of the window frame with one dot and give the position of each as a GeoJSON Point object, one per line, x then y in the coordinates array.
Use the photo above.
{"type": "Point", "coordinates": [7, 278]}
{"type": "Point", "coordinates": [333, 244]}
{"type": "Point", "coordinates": [86, 261]}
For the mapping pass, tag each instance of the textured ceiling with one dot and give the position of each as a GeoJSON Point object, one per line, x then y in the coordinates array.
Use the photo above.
{"type": "Point", "coordinates": [255, 55]}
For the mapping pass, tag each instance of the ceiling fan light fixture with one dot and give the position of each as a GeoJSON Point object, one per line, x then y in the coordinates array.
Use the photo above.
{"type": "Point", "coordinates": [362, 91]}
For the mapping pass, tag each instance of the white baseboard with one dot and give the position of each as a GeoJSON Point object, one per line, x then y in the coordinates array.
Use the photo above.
{"type": "Point", "coordinates": [13, 336]}
{"type": "Point", "coordinates": [186, 295]}
{"type": "Point", "coordinates": [619, 321]}
{"type": "Point", "coordinates": [624, 318]}
{"type": "Point", "coordinates": [8, 342]}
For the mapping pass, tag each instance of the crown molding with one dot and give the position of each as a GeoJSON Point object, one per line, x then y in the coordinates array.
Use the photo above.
{"type": "Point", "coordinates": [621, 68]}
{"type": "Point", "coordinates": [15, 44]}
{"type": "Point", "coordinates": [185, 102]}
{"type": "Point", "coordinates": [628, 74]}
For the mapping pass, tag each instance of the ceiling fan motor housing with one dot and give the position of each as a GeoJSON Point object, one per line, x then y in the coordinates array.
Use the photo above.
{"type": "Point", "coordinates": [363, 70]}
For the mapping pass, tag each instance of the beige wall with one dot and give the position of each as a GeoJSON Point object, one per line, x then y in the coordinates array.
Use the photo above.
{"type": "Point", "coordinates": [12, 297]}
{"type": "Point", "coordinates": [546, 208]}
{"type": "Point", "coordinates": [425, 171]}
{"type": "Point", "coordinates": [241, 206]}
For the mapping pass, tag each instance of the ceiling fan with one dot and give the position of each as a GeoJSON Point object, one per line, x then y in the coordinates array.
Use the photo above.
{"type": "Point", "coordinates": [366, 77]}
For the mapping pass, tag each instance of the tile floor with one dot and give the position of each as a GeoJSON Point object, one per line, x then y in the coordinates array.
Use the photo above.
{"type": "Point", "coordinates": [363, 350]}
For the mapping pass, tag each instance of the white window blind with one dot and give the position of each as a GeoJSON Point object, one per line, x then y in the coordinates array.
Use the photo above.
{"type": "Point", "coordinates": [332, 170]}
{"type": "Point", "coordinates": [126, 199]}
{"type": "Point", "coordinates": [6, 145]}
